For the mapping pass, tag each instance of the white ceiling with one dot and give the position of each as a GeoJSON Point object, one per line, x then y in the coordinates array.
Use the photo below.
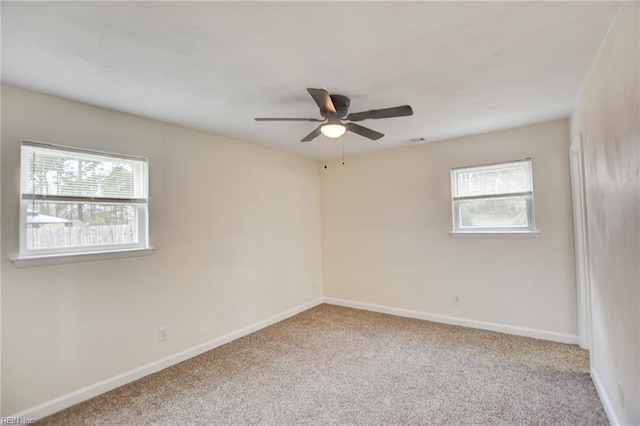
{"type": "Point", "coordinates": [464, 67]}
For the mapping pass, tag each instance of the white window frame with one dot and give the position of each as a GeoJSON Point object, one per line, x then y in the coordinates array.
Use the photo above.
{"type": "Point", "coordinates": [456, 201]}
{"type": "Point", "coordinates": [142, 225]}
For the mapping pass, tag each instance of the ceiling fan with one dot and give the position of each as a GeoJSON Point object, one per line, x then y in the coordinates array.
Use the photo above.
{"type": "Point", "coordinates": [334, 108]}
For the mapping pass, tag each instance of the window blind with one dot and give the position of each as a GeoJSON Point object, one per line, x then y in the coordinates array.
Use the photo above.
{"type": "Point", "coordinates": [500, 179]}
{"type": "Point", "coordinates": [50, 172]}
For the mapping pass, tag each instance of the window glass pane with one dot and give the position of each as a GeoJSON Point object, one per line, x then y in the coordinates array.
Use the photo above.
{"type": "Point", "coordinates": [493, 213]}
{"type": "Point", "coordinates": [60, 224]}
{"type": "Point", "coordinates": [47, 171]}
{"type": "Point", "coordinates": [489, 180]}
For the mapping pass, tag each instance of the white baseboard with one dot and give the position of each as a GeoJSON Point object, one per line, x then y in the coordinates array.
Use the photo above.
{"type": "Point", "coordinates": [502, 328]}
{"type": "Point", "coordinates": [96, 389]}
{"type": "Point", "coordinates": [604, 398]}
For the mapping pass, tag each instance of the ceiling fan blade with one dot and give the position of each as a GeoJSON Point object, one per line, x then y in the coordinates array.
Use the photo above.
{"type": "Point", "coordinates": [320, 120]}
{"type": "Point", "coordinates": [323, 100]}
{"type": "Point", "coordinates": [399, 111]}
{"type": "Point", "coordinates": [363, 131]}
{"type": "Point", "coordinates": [311, 136]}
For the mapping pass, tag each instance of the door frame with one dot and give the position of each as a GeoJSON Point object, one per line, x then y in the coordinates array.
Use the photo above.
{"type": "Point", "coordinates": [581, 242]}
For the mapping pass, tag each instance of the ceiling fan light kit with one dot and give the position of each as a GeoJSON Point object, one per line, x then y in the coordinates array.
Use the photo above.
{"type": "Point", "coordinates": [333, 130]}
{"type": "Point", "coordinates": [334, 108]}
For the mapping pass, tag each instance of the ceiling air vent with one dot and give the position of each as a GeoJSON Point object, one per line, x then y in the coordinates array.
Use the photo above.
{"type": "Point", "coordinates": [413, 141]}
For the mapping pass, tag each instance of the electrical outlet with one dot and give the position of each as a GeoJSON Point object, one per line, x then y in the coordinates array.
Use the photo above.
{"type": "Point", "coordinates": [455, 299]}
{"type": "Point", "coordinates": [163, 334]}
{"type": "Point", "coordinates": [621, 394]}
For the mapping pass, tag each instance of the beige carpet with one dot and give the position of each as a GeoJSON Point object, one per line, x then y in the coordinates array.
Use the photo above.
{"type": "Point", "coordinates": [334, 365]}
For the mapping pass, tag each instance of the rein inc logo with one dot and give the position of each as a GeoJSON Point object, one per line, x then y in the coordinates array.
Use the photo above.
{"type": "Point", "coordinates": [16, 421]}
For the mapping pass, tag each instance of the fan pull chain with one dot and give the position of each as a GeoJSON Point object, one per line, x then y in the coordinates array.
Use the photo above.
{"type": "Point", "coordinates": [343, 138]}
{"type": "Point", "coordinates": [324, 150]}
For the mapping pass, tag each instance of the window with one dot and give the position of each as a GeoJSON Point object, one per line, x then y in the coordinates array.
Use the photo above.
{"type": "Point", "coordinates": [493, 198]}
{"type": "Point", "coordinates": [74, 201]}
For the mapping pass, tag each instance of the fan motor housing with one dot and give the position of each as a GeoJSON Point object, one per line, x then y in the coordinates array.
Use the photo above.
{"type": "Point", "coordinates": [341, 103]}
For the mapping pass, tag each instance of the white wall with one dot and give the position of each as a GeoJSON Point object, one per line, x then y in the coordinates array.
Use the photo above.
{"type": "Point", "coordinates": [386, 222]}
{"type": "Point", "coordinates": [237, 235]}
{"type": "Point", "coordinates": [608, 116]}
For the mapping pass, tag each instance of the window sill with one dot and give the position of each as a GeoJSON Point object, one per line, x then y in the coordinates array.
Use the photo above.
{"type": "Point", "coordinates": [495, 235]}
{"type": "Point", "coordinates": [58, 259]}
